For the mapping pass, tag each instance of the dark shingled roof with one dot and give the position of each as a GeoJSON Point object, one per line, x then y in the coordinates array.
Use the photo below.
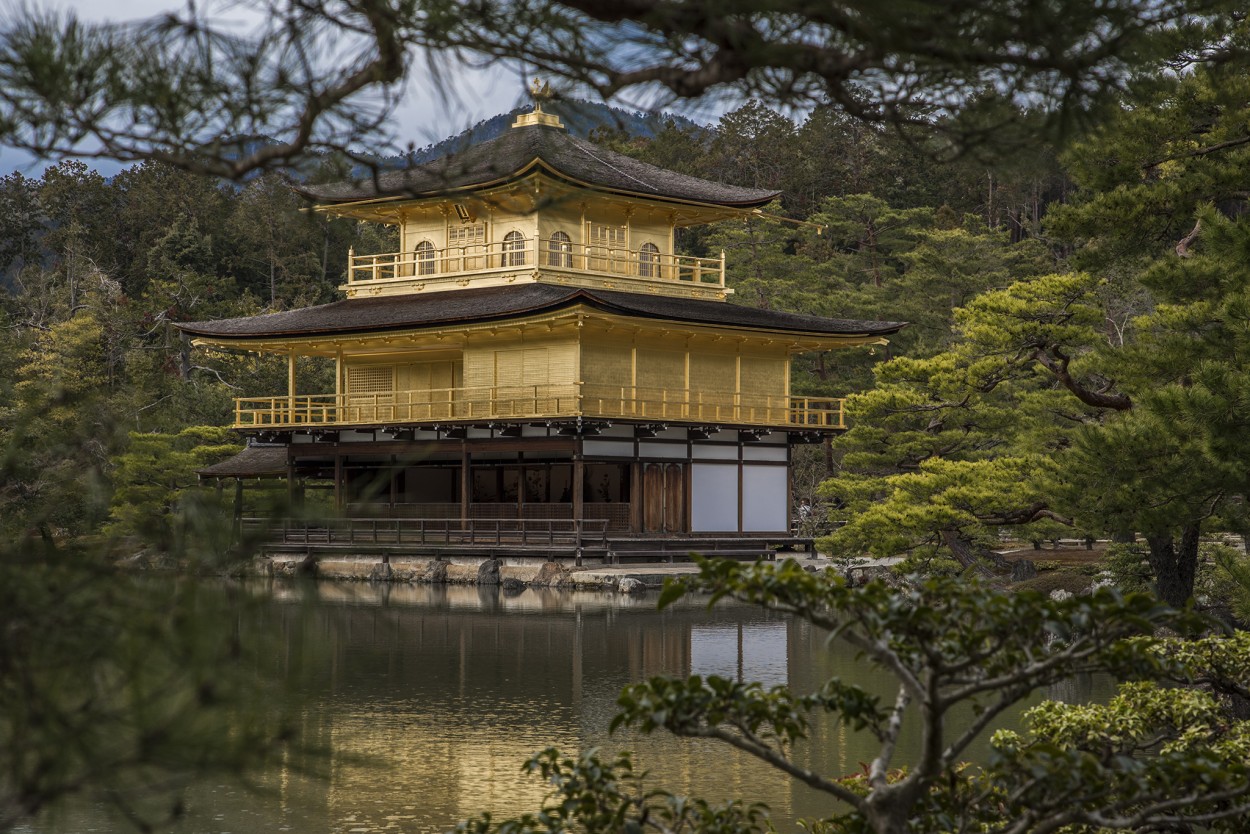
{"type": "Point", "coordinates": [515, 154]}
{"type": "Point", "coordinates": [418, 311]}
{"type": "Point", "coordinates": [252, 462]}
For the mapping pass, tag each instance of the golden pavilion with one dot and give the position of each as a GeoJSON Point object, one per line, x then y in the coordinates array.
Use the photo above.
{"type": "Point", "coordinates": [538, 368]}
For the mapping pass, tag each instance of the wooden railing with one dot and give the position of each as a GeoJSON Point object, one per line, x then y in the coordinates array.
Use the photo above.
{"type": "Point", "coordinates": [437, 531]}
{"type": "Point", "coordinates": [544, 253]}
{"type": "Point", "coordinates": [536, 401]}
{"type": "Point", "coordinates": [614, 514]}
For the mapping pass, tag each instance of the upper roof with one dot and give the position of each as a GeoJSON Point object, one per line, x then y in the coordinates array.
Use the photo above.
{"type": "Point", "coordinates": [523, 150]}
{"type": "Point", "coordinates": [418, 311]}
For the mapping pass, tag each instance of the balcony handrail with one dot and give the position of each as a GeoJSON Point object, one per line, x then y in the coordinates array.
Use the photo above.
{"type": "Point", "coordinates": [546, 253]}
{"type": "Point", "coordinates": [574, 399]}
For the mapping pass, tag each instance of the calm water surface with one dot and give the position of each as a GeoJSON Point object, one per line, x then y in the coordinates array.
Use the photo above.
{"type": "Point", "coordinates": [430, 698]}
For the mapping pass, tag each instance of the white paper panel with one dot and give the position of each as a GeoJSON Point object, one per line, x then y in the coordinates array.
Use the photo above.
{"type": "Point", "coordinates": [713, 497]}
{"type": "Point", "coordinates": [711, 452]}
{"type": "Point", "coordinates": [662, 450]}
{"type": "Point", "coordinates": [753, 452]}
{"type": "Point", "coordinates": [616, 448]}
{"type": "Point", "coordinates": [764, 499]}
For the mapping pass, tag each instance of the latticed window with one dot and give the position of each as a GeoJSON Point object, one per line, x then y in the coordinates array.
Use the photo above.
{"type": "Point", "coordinates": [605, 245]}
{"type": "Point", "coordinates": [467, 234]}
{"type": "Point", "coordinates": [425, 258]}
{"type": "Point", "coordinates": [371, 380]}
{"type": "Point", "coordinates": [610, 237]}
{"type": "Point", "coordinates": [466, 239]}
{"type": "Point", "coordinates": [370, 392]}
{"type": "Point", "coordinates": [514, 249]}
{"type": "Point", "coordinates": [649, 261]}
{"type": "Point", "coordinates": [560, 251]}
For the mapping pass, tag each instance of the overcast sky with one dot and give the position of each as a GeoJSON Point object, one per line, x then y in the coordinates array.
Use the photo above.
{"type": "Point", "coordinates": [424, 117]}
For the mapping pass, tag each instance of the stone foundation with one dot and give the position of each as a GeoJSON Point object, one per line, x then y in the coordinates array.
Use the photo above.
{"type": "Point", "coordinates": [422, 570]}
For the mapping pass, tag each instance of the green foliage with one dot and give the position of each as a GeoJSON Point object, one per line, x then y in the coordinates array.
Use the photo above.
{"type": "Point", "coordinates": [955, 648]}
{"type": "Point", "coordinates": [1129, 566]}
{"type": "Point", "coordinates": [126, 691]}
{"type": "Point", "coordinates": [153, 473]}
{"type": "Point", "coordinates": [595, 796]}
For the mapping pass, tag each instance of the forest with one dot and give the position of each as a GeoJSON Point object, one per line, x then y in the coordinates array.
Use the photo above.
{"type": "Point", "coordinates": [1055, 199]}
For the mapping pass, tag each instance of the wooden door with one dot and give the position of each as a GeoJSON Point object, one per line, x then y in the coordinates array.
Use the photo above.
{"type": "Point", "coordinates": [675, 498]}
{"type": "Point", "coordinates": [664, 498]}
{"type": "Point", "coordinates": [653, 498]}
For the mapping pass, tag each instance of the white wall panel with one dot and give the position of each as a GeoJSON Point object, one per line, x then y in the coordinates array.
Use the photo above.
{"type": "Point", "coordinates": [713, 497]}
{"type": "Point", "coordinates": [708, 451]}
{"type": "Point", "coordinates": [753, 452]}
{"type": "Point", "coordinates": [661, 450]}
{"type": "Point", "coordinates": [764, 491]}
{"type": "Point", "coordinates": [614, 448]}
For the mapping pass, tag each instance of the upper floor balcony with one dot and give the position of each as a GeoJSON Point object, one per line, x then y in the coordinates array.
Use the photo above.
{"type": "Point", "coordinates": [557, 259]}
{"type": "Point", "coordinates": [512, 402]}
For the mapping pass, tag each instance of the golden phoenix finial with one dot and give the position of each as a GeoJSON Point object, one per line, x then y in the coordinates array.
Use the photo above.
{"type": "Point", "coordinates": [540, 91]}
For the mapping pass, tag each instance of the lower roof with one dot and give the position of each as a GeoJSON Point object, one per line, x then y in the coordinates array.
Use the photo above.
{"type": "Point", "coordinates": [252, 462]}
{"type": "Point", "coordinates": [487, 304]}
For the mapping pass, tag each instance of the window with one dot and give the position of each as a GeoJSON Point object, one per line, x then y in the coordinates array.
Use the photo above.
{"type": "Point", "coordinates": [649, 261]}
{"type": "Point", "coordinates": [464, 240]}
{"type": "Point", "coordinates": [425, 258]}
{"type": "Point", "coordinates": [370, 393]}
{"type": "Point", "coordinates": [513, 249]}
{"type": "Point", "coordinates": [377, 379]}
{"type": "Point", "coordinates": [467, 234]}
{"type": "Point", "coordinates": [560, 251]}
{"type": "Point", "coordinates": [606, 243]}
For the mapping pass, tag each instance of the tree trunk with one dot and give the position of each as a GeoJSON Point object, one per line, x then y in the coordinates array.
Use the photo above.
{"type": "Point", "coordinates": [971, 555]}
{"type": "Point", "coordinates": [1174, 567]}
{"type": "Point", "coordinates": [184, 357]}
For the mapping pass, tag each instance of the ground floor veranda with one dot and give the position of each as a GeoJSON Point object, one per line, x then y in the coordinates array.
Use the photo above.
{"type": "Point", "coordinates": [651, 488]}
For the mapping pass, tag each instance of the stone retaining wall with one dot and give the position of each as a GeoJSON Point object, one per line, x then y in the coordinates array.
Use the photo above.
{"type": "Point", "coordinates": [458, 571]}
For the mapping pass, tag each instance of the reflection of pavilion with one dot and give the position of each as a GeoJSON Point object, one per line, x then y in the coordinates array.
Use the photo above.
{"type": "Point", "coordinates": [454, 688]}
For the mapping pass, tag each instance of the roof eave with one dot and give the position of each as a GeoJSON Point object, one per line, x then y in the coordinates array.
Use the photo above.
{"type": "Point", "coordinates": [535, 164]}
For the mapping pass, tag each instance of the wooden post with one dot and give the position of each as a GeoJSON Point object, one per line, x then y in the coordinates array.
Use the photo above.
{"type": "Point", "coordinates": [290, 386]}
{"type": "Point", "coordinates": [635, 494]}
{"type": "Point", "coordinates": [339, 413]}
{"type": "Point", "coordinates": [579, 483]}
{"type": "Point", "coordinates": [394, 470]}
{"type": "Point", "coordinates": [338, 482]}
{"type": "Point", "coordinates": [237, 533]}
{"type": "Point", "coordinates": [790, 489]}
{"type": "Point", "coordinates": [466, 492]}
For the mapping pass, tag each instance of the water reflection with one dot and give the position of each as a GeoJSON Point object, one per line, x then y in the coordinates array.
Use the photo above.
{"type": "Point", "coordinates": [430, 697]}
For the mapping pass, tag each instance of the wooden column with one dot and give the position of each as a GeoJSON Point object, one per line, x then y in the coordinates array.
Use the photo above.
{"type": "Point", "coordinates": [339, 371]}
{"type": "Point", "coordinates": [238, 510]}
{"type": "Point", "coordinates": [635, 493]}
{"type": "Point", "coordinates": [394, 484]}
{"type": "Point", "coordinates": [790, 487]}
{"type": "Point", "coordinates": [579, 482]}
{"type": "Point", "coordinates": [290, 386]}
{"type": "Point", "coordinates": [338, 482]}
{"type": "Point", "coordinates": [466, 492]}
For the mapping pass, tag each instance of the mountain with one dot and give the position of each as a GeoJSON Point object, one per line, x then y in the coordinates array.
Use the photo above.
{"type": "Point", "coordinates": [582, 118]}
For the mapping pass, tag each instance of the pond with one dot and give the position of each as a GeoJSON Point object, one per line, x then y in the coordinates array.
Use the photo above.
{"type": "Point", "coordinates": [429, 698]}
